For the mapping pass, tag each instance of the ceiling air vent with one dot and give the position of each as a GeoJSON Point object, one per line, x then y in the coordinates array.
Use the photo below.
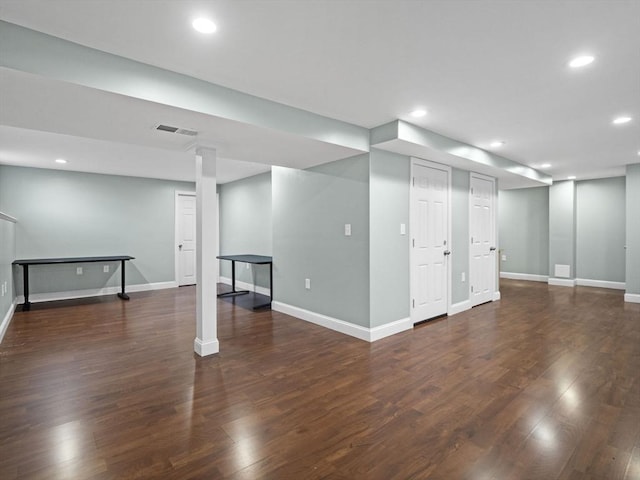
{"type": "Point", "coordinates": [181, 131]}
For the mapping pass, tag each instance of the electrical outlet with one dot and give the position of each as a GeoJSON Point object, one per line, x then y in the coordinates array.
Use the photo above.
{"type": "Point", "coordinates": [79, 271]}
{"type": "Point", "coordinates": [504, 258]}
{"type": "Point", "coordinates": [307, 283]}
{"type": "Point", "coordinates": [105, 268]}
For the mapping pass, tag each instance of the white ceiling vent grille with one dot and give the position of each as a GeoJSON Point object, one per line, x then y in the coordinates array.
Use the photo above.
{"type": "Point", "coordinates": [181, 131]}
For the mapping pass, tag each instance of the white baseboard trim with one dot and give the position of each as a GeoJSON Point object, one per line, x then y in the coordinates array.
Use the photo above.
{"type": "Point", "coordinates": [496, 296]}
{"type": "Point", "coordinates": [246, 286]}
{"type": "Point", "coordinates": [632, 297]}
{"type": "Point", "coordinates": [530, 277]}
{"type": "Point", "coordinates": [585, 282]}
{"type": "Point", "coordinates": [561, 282]}
{"type": "Point", "coordinates": [459, 307]}
{"type": "Point", "coordinates": [363, 333]}
{"type": "Point", "coordinates": [7, 319]}
{"type": "Point", "coordinates": [388, 329]}
{"type": "Point", "coordinates": [95, 292]}
{"type": "Point", "coordinates": [324, 321]}
{"type": "Point", "coordinates": [206, 348]}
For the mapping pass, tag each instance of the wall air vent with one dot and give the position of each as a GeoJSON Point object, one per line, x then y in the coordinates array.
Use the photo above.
{"type": "Point", "coordinates": [180, 131]}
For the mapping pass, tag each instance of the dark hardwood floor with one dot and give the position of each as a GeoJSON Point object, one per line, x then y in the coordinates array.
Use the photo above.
{"type": "Point", "coordinates": [544, 384]}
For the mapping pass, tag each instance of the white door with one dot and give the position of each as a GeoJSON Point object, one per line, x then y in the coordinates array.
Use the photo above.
{"type": "Point", "coordinates": [429, 240]}
{"type": "Point", "coordinates": [186, 238]}
{"type": "Point", "coordinates": [482, 270]}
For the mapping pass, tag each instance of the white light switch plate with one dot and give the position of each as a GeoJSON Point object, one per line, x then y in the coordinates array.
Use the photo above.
{"type": "Point", "coordinates": [403, 229]}
{"type": "Point", "coordinates": [105, 268]}
{"type": "Point", "coordinates": [307, 283]}
{"type": "Point", "coordinates": [347, 229]}
{"type": "Point", "coordinates": [79, 271]}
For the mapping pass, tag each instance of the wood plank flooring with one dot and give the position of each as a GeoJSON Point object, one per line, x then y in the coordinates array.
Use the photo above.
{"type": "Point", "coordinates": [543, 384]}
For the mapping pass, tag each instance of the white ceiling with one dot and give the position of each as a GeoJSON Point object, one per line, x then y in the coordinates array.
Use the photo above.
{"type": "Point", "coordinates": [483, 69]}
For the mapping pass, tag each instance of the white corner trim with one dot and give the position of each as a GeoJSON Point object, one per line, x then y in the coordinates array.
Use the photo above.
{"type": "Point", "coordinates": [496, 296]}
{"type": "Point", "coordinates": [247, 286]}
{"type": "Point", "coordinates": [459, 307]}
{"type": "Point", "coordinates": [8, 218]}
{"type": "Point", "coordinates": [524, 276]}
{"type": "Point", "coordinates": [341, 326]}
{"type": "Point", "coordinates": [585, 282]}
{"type": "Point", "coordinates": [206, 348]}
{"type": "Point", "coordinates": [7, 319]}
{"type": "Point", "coordinates": [388, 329]}
{"type": "Point", "coordinates": [632, 297]}
{"type": "Point", "coordinates": [95, 292]}
{"type": "Point", "coordinates": [561, 282]}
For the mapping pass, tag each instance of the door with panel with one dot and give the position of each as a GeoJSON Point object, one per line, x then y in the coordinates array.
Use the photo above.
{"type": "Point", "coordinates": [430, 191]}
{"type": "Point", "coordinates": [482, 229]}
{"type": "Point", "coordinates": [186, 236]}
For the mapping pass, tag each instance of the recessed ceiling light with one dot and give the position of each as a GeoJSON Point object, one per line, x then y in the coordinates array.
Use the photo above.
{"type": "Point", "coordinates": [581, 61]}
{"type": "Point", "coordinates": [497, 143]}
{"type": "Point", "coordinates": [621, 120]}
{"type": "Point", "coordinates": [204, 25]}
{"type": "Point", "coordinates": [571, 177]}
{"type": "Point", "coordinates": [419, 112]}
{"type": "Point", "coordinates": [545, 165]}
{"type": "Point", "coordinates": [60, 160]}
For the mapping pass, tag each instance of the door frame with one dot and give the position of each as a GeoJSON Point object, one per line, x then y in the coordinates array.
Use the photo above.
{"type": "Point", "coordinates": [439, 166]}
{"type": "Point", "coordinates": [495, 294]}
{"type": "Point", "coordinates": [176, 240]}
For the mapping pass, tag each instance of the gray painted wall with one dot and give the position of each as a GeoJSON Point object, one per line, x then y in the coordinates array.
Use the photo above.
{"type": "Point", "coordinates": [633, 229]}
{"type": "Point", "coordinates": [600, 229]}
{"type": "Point", "coordinates": [523, 230]}
{"type": "Point", "coordinates": [388, 249]}
{"type": "Point", "coordinates": [246, 225]}
{"type": "Point", "coordinates": [460, 231]}
{"type": "Point", "coordinates": [310, 209]}
{"type": "Point", "coordinates": [562, 226]}
{"type": "Point", "coordinates": [71, 214]}
{"type": "Point", "coordinates": [7, 255]}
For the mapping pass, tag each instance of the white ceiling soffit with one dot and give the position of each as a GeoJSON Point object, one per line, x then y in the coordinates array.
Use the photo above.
{"type": "Point", "coordinates": [73, 110]}
{"type": "Point", "coordinates": [30, 51]}
{"type": "Point", "coordinates": [407, 139]}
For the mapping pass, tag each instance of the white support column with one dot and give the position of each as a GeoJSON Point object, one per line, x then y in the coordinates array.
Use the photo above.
{"type": "Point", "coordinates": [206, 342]}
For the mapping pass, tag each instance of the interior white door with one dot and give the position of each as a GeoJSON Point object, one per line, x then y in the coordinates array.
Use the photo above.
{"type": "Point", "coordinates": [186, 239]}
{"type": "Point", "coordinates": [429, 240]}
{"type": "Point", "coordinates": [483, 244]}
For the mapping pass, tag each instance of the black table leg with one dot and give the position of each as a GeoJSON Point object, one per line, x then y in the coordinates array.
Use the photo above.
{"type": "Point", "coordinates": [122, 295]}
{"type": "Point", "coordinates": [233, 276]}
{"type": "Point", "coordinates": [263, 305]}
{"type": "Point", "coordinates": [233, 284]}
{"type": "Point", "coordinates": [26, 306]}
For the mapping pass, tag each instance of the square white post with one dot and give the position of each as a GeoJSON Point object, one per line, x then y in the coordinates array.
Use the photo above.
{"type": "Point", "coordinates": [206, 342]}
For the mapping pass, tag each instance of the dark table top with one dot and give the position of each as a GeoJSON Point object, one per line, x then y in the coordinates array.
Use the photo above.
{"type": "Point", "coordinates": [256, 259]}
{"type": "Point", "coordinates": [46, 261]}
